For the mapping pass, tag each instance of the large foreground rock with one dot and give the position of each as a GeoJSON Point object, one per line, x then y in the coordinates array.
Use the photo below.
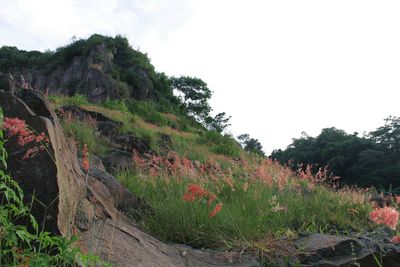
{"type": "Point", "coordinates": [70, 202]}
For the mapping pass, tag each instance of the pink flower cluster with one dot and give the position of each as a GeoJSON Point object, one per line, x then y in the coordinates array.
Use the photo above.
{"type": "Point", "coordinates": [387, 216]}
{"type": "Point", "coordinates": [194, 191]}
{"type": "Point", "coordinates": [17, 127]}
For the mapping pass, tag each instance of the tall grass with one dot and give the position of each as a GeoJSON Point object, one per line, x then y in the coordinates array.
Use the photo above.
{"type": "Point", "coordinates": [84, 132]}
{"type": "Point", "coordinates": [259, 199]}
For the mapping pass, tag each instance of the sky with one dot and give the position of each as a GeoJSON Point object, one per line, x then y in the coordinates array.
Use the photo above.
{"type": "Point", "coordinates": [279, 68]}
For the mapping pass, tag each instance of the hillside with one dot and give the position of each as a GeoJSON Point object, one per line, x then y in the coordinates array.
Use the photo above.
{"type": "Point", "coordinates": [105, 152]}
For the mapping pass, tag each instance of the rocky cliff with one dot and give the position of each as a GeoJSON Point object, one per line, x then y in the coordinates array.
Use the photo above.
{"type": "Point", "coordinates": [99, 68]}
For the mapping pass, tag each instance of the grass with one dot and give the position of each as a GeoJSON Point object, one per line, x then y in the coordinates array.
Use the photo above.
{"type": "Point", "coordinates": [85, 133]}
{"type": "Point", "coordinates": [263, 203]}
{"type": "Point", "coordinates": [193, 143]}
{"type": "Point", "coordinates": [255, 204]}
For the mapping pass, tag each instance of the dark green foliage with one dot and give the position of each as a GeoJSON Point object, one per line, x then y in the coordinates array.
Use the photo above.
{"type": "Point", "coordinates": [388, 137]}
{"type": "Point", "coordinates": [78, 100]}
{"type": "Point", "coordinates": [365, 161]}
{"type": "Point", "coordinates": [218, 123]}
{"type": "Point", "coordinates": [116, 105]}
{"type": "Point", "coordinates": [251, 145]}
{"type": "Point", "coordinates": [149, 110]}
{"type": "Point", "coordinates": [194, 96]}
{"type": "Point", "coordinates": [11, 57]}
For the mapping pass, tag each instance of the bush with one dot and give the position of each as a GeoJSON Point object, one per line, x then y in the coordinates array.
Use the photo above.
{"type": "Point", "coordinates": [221, 144]}
{"type": "Point", "coordinates": [115, 105]}
{"type": "Point", "coordinates": [78, 100]}
{"type": "Point", "coordinates": [148, 110]}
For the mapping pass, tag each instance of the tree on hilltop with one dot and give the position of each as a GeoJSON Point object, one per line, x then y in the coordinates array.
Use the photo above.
{"type": "Point", "coordinates": [194, 95]}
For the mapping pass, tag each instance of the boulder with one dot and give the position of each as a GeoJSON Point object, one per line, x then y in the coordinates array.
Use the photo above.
{"type": "Point", "coordinates": [341, 251]}
{"type": "Point", "coordinates": [118, 160]}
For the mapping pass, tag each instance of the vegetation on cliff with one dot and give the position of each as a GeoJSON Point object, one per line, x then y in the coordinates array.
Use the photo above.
{"type": "Point", "coordinates": [212, 194]}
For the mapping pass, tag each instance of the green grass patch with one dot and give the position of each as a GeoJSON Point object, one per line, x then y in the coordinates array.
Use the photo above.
{"type": "Point", "coordinates": [247, 215]}
{"type": "Point", "coordinates": [85, 133]}
{"type": "Point", "coordinates": [220, 144]}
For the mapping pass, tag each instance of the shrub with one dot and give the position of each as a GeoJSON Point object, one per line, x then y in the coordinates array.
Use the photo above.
{"type": "Point", "coordinates": [115, 105]}
{"type": "Point", "coordinates": [78, 100]}
{"type": "Point", "coordinates": [221, 144]}
{"type": "Point", "coordinates": [148, 110]}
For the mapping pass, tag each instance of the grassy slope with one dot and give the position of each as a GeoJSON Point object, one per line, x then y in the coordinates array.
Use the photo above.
{"type": "Point", "coordinates": [260, 199]}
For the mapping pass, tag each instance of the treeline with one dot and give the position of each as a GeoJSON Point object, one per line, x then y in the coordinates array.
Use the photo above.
{"type": "Point", "coordinates": [371, 160]}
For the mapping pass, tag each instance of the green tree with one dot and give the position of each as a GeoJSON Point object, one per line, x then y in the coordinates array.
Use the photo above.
{"type": "Point", "coordinates": [194, 95]}
{"type": "Point", "coordinates": [387, 137]}
{"type": "Point", "coordinates": [219, 123]}
{"type": "Point", "coordinates": [250, 144]}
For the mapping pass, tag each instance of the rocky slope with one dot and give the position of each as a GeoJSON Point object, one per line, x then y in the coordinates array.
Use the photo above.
{"type": "Point", "coordinates": [71, 202]}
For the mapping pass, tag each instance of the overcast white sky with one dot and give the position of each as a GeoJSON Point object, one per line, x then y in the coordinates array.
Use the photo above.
{"type": "Point", "coordinates": [277, 67]}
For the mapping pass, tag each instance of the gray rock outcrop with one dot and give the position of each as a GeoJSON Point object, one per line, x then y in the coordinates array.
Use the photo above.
{"type": "Point", "coordinates": [91, 75]}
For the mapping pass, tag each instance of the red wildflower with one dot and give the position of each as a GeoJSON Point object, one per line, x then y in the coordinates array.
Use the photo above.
{"type": "Point", "coordinates": [387, 216]}
{"type": "Point", "coordinates": [17, 127]}
{"type": "Point", "coordinates": [215, 211]}
{"type": "Point", "coordinates": [188, 197]}
{"type": "Point", "coordinates": [85, 158]}
{"type": "Point", "coordinates": [194, 191]}
{"type": "Point", "coordinates": [197, 190]}
{"type": "Point", "coordinates": [41, 137]}
{"type": "Point", "coordinates": [395, 239]}
{"type": "Point", "coordinates": [30, 153]}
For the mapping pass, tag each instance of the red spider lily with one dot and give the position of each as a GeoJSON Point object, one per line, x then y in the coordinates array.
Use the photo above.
{"type": "Point", "coordinates": [215, 211]}
{"type": "Point", "coordinates": [17, 127]}
{"type": "Point", "coordinates": [387, 216]}
{"type": "Point", "coordinates": [85, 158]}
{"type": "Point", "coordinates": [189, 197]}
{"type": "Point", "coordinates": [31, 152]}
{"type": "Point", "coordinates": [395, 239]}
{"type": "Point", "coordinates": [194, 191]}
